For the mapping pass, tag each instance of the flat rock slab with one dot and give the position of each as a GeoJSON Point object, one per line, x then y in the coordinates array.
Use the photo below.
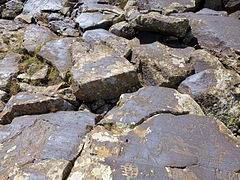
{"type": "Point", "coordinates": [35, 36]}
{"type": "Point", "coordinates": [217, 33]}
{"type": "Point", "coordinates": [133, 108]}
{"type": "Point", "coordinates": [96, 35]}
{"type": "Point", "coordinates": [28, 104]}
{"type": "Point", "coordinates": [166, 25]}
{"type": "Point", "coordinates": [35, 7]}
{"type": "Point", "coordinates": [162, 65]}
{"type": "Point", "coordinates": [41, 143]}
{"type": "Point", "coordinates": [57, 53]}
{"type": "Point", "coordinates": [8, 69]}
{"type": "Point", "coordinates": [168, 6]}
{"type": "Point", "coordinates": [101, 74]}
{"type": "Point", "coordinates": [95, 20]}
{"type": "Point", "coordinates": [163, 147]}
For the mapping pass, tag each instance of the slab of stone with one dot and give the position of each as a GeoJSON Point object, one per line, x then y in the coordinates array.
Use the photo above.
{"type": "Point", "coordinates": [202, 60]}
{"type": "Point", "coordinates": [168, 147]}
{"type": "Point", "coordinates": [41, 74]}
{"type": "Point", "coordinates": [123, 29]}
{"type": "Point", "coordinates": [218, 34]}
{"type": "Point", "coordinates": [35, 36]}
{"type": "Point", "coordinates": [206, 11]}
{"type": "Point", "coordinates": [161, 65]}
{"type": "Point", "coordinates": [133, 108]}
{"type": "Point", "coordinates": [42, 145]}
{"type": "Point", "coordinates": [168, 6]}
{"type": "Point", "coordinates": [64, 27]}
{"type": "Point", "coordinates": [102, 74]}
{"type": "Point", "coordinates": [12, 9]}
{"type": "Point", "coordinates": [95, 20]}
{"type": "Point", "coordinates": [27, 104]}
{"type": "Point", "coordinates": [8, 69]}
{"type": "Point", "coordinates": [35, 7]}
{"type": "Point", "coordinates": [210, 85]}
{"type": "Point", "coordinates": [57, 53]}
{"type": "Point", "coordinates": [166, 25]}
{"type": "Point", "coordinates": [96, 35]}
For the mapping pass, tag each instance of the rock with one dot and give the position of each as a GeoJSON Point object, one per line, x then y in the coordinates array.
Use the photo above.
{"type": "Point", "coordinates": [31, 89]}
{"type": "Point", "coordinates": [25, 18]}
{"type": "Point", "coordinates": [8, 69]}
{"type": "Point", "coordinates": [156, 22]}
{"type": "Point", "coordinates": [12, 9]}
{"type": "Point", "coordinates": [202, 60]}
{"type": "Point", "coordinates": [67, 94]}
{"type": "Point", "coordinates": [218, 34]}
{"type": "Point", "coordinates": [42, 146]}
{"type": "Point", "coordinates": [57, 53]}
{"type": "Point", "coordinates": [161, 65]}
{"type": "Point", "coordinates": [96, 35]}
{"type": "Point", "coordinates": [64, 27]}
{"type": "Point", "coordinates": [172, 147]}
{"type": "Point", "coordinates": [41, 74]}
{"type": "Point", "coordinates": [231, 5]}
{"type": "Point", "coordinates": [123, 29]}
{"type": "Point", "coordinates": [102, 74]}
{"type": "Point", "coordinates": [168, 6]}
{"type": "Point", "coordinates": [95, 20]}
{"type": "Point", "coordinates": [235, 14]}
{"type": "Point", "coordinates": [28, 104]}
{"type": "Point", "coordinates": [210, 85]}
{"type": "Point", "coordinates": [207, 11]}
{"type": "Point", "coordinates": [3, 96]}
{"type": "Point", "coordinates": [97, 104]}
{"type": "Point", "coordinates": [35, 36]}
{"type": "Point", "coordinates": [148, 101]}
{"type": "Point", "coordinates": [35, 7]}
{"type": "Point", "coordinates": [24, 77]}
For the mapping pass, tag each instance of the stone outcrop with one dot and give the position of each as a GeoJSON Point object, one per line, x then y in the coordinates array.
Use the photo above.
{"type": "Point", "coordinates": [119, 89]}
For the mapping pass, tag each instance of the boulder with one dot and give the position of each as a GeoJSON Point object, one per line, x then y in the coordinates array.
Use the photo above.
{"type": "Point", "coordinates": [64, 27]}
{"type": "Point", "coordinates": [12, 9]}
{"type": "Point", "coordinates": [165, 146]}
{"type": "Point", "coordinates": [96, 35]}
{"type": "Point", "coordinates": [101, 74]}
{"type": "Point", "coordinates": [203, 60]}
{"type": "Point", "coordinates": [28, 104]}
{"type": "Point", "coordinates": [217, 34]}
{"type": "Point", "coordinates": [57, 53]}
{"type": "Point", "coordinates": [206, 11]}
{"type": "Point", "coordinates": [123, 29]}
{"type": "Point", "coordinates": [35, 36]}
{"type": "Point", "coordinates": [8, 69]}
{"type": "Point", "coordinates": [42, 146]}
{"type": "Point", "coordinates": [168, 6]}
{"type": "Point", "coordinates": [156, 22]}
{"type": "Point", "coordinates": [134, 108]}
{"type": "Point", "coordinates": [35, 7]}
{"type": "Point", "coordinates": [161, 65]}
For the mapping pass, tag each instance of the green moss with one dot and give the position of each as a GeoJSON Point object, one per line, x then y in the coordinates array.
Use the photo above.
{"type": "Point", "coordinates": [69, 78]}
{"type": "Point", "coordinates": [53, 74]}
{"type": "Point", "coordinates": [1, 57]}
{"type": "Point", "coordinates": [5, 40]}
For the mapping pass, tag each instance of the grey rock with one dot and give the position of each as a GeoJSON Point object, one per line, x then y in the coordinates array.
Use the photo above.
{"type": "Point", "coordinates": [172, 147]}
{"type": "Point", "coordinates": [35, 36]}
{"type": "Point", "coordinates": [133, 108]}
{"type": "Point", "coordinates": [123, 29]}
{"type": "Point", "coordinates": [28, 104]}
{"type": "Point", "coordinates": [161, 65]}
{"type": "Point", "coordinates": [57, 53]}
{"type": "Point", "coordinates": [207, 11]}
{"type": "Point", "coordinates": [102, 74]}
{"type": "Point", "coordinates": [41, 74]}
{"type": "Point", "coordinates": [96, 35]}
{"type": "Point", "coordinates": [218, 34]}
{"type": "Point", "coordinates": [156, 22]}
{"type": "Point", "coordinates": [8, 69]}
{"type": "Point", "coordinates": [35, 7]}
{"type": "Point", "coordinates": [38, 146]}
{"type": "Point", "coordinates": [12, 9]}
{"type": "Point", "coordinates": [64, 27]}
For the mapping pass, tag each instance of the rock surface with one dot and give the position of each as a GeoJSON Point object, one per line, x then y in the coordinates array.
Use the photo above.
{"type": "Point", "coordinates": [119, 89]}
{"type": "Point", "coordinates": [27, 104]}
{"type": "Point", "coordinates": [49, 156]}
